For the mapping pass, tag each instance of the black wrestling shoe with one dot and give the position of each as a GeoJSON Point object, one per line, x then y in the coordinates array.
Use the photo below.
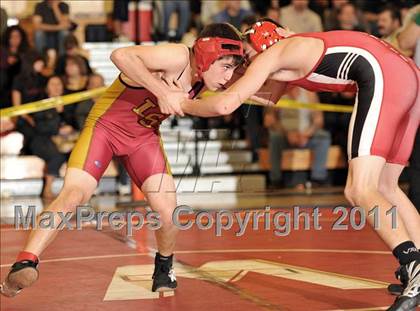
{"type": "Point", "coordinates": [410, 298]}
{"type": "Point", "coordinates": [164, 275]}
{"type": "Point", "coordinates": [397, 289]}
{"type": "Point", "coordinates": [22, 274]}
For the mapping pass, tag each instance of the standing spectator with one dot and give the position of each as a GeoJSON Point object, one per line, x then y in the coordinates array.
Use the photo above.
{"type": "Point", "coordinates": [14, 45]}
{"type": "Point", "coordinates": [298, 128]}
{"type": "Point", "coordinates": [51, 24]}
{"type": "Point", "coordinates": [183, 10]}
{"type": "Point", "coordinates": [299, 18]}
{"type": "Point", "coordinates": [27, 87]}
{"type": "Point", "coordinates": [389, 24]}
{"type": "Point", "coordinates": [72, 48]}
{"type": "Point", "coordinates": [232, 14]}
{"type": "Point", "coordinates": [75, 80]}
{"type": "Point", "coordinates": [120, 16]}
{"type": "Point", "coordinates": [47, 124]}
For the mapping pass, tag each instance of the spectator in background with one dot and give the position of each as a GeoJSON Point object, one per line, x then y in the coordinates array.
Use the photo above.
{"type": "Point", "coordinates": [3, 21]}
{"type": "Point", "coordinates": [48, 124]}
{"type": "Point", "coordinates": [409, 38]}
{"type": "Point", "coordinates": [27, 87]}
{"type": "Point", "coordinates": [298, 128]}
{"type": "Point", "coordinates": [273, 13]}
{"type": "Point", "coordinates": [72, 48]}
{"type": "Point", "coordinates": [347, 18]}
{"type": "Point", "coordinates": [120, 16]}
{"type": "Point", "coordinates": [389, 24]}
{"type": "Point", "coordinates": [14, 46]}
{"type": "Point", "coordinates": [75, 80]}
{"type": "Point", "coordinates": [83, 108]}
{"type": "Point", "coordinates": [331, 15]}
{"type": "Point", "coordinates": [189, 37]}
{"type": "Point", "coordinates": [299, 18]}
{"type": "Point", "coordinates": [253, 114]}
{"type": "Point", "coordinates": [183, 9]}
{"type": "Point", "coordinates": [51, 24]}
{"type": "Point", "coordinates": [232, 14]}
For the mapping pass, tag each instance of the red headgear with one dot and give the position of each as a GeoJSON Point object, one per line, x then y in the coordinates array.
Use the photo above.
{"type": "Point", "coordinates": [262, 35]}
{"type": "Point", "coordinates": [208, 50]}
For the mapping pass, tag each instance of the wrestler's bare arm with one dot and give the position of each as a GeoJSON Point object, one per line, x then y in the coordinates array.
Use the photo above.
{"type": "Point", "coordinates": [274, 59]}
{"type": "Point", "coordinates": [138, 63]}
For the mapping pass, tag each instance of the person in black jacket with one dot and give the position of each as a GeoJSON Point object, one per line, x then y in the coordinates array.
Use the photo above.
{"type": "Point", "coordinates": [47, 124]}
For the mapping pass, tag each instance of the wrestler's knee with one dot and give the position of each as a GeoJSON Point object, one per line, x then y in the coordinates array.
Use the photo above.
{"type": "Point", "coordinates": [358, 193]}
{"type": "Point", "coordinates": [69, 198]}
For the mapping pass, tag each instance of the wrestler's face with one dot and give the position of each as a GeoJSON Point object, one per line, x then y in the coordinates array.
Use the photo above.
{"type": "Point", "coordinates": [219, 73]}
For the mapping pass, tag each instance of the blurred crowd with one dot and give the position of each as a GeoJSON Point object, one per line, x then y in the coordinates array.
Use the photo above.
{"type": "Point", "coordinates": [54, 64]}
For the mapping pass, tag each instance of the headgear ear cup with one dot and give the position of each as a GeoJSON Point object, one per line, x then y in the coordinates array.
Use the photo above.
{"type": "Point", "coordinates": [262, 35]}
{"type": "Point", "coordinates": [208, 50]}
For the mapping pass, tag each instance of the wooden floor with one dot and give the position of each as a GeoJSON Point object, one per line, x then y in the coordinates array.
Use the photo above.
{"type": "Point", "coordinates": [305, 270]}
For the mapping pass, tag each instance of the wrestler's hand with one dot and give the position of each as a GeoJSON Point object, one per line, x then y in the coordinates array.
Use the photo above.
{"type": "Point", "coordinates": [170, 101]}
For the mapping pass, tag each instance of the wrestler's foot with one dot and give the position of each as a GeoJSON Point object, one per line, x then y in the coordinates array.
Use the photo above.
{"type": "Point", "coordinates": [164, 275]}
{"type": "Point", "coordinates": [410, 297]}
{"type": "Point", "coordinates": [22, 274]}
{"type": "Point", "coordinates": [400, 274]}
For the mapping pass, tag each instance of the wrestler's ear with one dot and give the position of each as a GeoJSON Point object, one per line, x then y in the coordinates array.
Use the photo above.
{"type": "Point", "coordinates": [284, 32]}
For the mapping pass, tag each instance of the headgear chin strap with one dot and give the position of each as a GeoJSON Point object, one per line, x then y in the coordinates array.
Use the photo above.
{"type": "Point", "coordinates": [208, 50]}
{"type": "Point", "coordinates": [262, 35]}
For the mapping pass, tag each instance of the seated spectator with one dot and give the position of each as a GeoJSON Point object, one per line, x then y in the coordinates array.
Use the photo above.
{"type": "Point", "coordinates": [389, 26]}
{"type": "Point", "coordinates": [299, 18]}
{"type": "Point", "coordinates": [331, 14]}
{"type": "Point", "coordinates": [75, 80]}
{"type": "Point", "coordinates": [83, 108]}
{"type": "Point", "coordinates": [14, 45]}
{"type": "Point", "coordinates": [298, 128]}
{"type": "Point", "coordinates": [184, 15]}
{"type": "Point", "coordinates": [347, 18]}
{"type": "Point", "coordinates": [232, 14]}
{"type": "Point", "coordinates": [51, 24]}
{"type": "Point", "coordinates": [27, 87]}
{"type": "Point", "coordinates": [48, 124]}
{"type": "Point", "coordinates": [72, 48]}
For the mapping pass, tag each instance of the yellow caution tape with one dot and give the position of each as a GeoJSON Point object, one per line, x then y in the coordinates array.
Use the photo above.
{"type": "Point", "coordinates": [53, 102]}
{"type": "Point", "coordinates": [49, 103]}
{"type": "Point", "coordinates": [292, 104]}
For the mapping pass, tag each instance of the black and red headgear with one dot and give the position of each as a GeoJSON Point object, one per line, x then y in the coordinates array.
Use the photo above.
{"type": "Point", "coordinates": [209, 49]}
{"type": "Point", "coordinates": [262, 35]}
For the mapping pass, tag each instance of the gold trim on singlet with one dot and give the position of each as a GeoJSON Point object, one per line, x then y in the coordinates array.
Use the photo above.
{"type": "Point", "coordinates": [81, 149]}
